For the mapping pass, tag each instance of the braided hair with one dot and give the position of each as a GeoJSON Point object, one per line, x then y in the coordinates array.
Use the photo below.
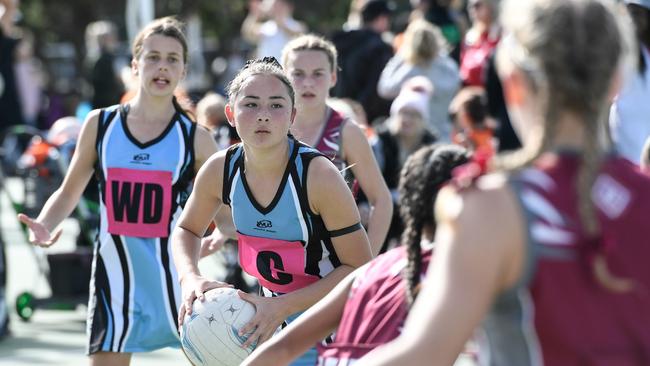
{"type": "Point", "coordinates": [569, 51]}
{"type": "Point", "coordinates": [424, 172]}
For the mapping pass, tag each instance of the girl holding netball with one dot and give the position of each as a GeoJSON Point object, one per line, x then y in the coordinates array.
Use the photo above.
{"type": "Point", "coordinates": [298, 228]}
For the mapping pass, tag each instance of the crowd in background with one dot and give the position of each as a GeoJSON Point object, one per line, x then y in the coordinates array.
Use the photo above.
{"type": "Point", "coordinates": [431, 78]}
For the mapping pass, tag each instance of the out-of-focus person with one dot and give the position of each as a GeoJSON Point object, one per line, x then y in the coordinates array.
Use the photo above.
{"type": "Point", "coordinates": [101, 44]}
{"type": "Point", "coordinates": [270, 25]}
{"type": "Point", "coordinates": [210, 113]}
{"type": "Point", "coordinates": [479, 41]}
{"type": "Point", "coordinates": [629, 118]}
{"type": "Point", "coordinates": [473, 128]}
{"type": "Point", "coordinates": [10, 109]}
{"type": "Point", "coordinates": [423, 53]}
{"type": "Point", "coordinates": [362, 55]}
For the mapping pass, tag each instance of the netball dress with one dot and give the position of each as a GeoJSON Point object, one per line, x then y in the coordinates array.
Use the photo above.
{"type": "Point", "coordinates": [330, 141]}
{"type": "Point", "coordinates": [284, 245]}
{"type": "Point", "coordinates": [559, 314]}
{"type": "Point", "coordinates": [134, 287]}
{"type": "Point", "coordinates": [375, 310]}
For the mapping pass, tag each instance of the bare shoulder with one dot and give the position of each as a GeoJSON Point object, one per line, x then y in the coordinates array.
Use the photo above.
{"type": "Point", "coordinates": [322, 171]}
{"type": "Point", "coordinates": [202, 132]}
{"type": "Point", "coordinates": [356, 147]}
{"type": "Point", "coordinates": [324, 182]}
{"type": "Point", "coordinates": [92, 119]}
{"type": "Point", "coordinates": [486, 217]}
{"type": "Point", "coordinates": [210, 176]}
{"type": "Point", "coordinates": [353, 133]}
{"type": "Point", "coordinates": [215, 163]}
{"type": "Point", "coordinates": [204, 145]}
{"type": "Point", "coordinates": [489, 194]}
{"type": "Point", "coordinates": [89, 128]}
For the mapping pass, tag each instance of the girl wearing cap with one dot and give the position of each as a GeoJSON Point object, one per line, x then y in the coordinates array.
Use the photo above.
{"type": "Point", "coordinates": [399, 136]}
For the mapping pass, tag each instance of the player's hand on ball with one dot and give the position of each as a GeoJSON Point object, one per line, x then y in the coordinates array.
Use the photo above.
{"type": "Point", "coordinates": [193, 287]}
{"type": "Point", "coordinates": [38, 233]}
{"type": "Point", "coordinates": [269, 315]}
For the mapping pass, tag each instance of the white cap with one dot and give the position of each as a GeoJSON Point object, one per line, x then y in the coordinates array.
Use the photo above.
{"type": "Point", "coordinates": [411, 99]}
{"type": "Point", "coordinates": [415, 94]}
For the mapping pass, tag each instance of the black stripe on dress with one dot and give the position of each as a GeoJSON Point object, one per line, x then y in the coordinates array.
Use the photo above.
{"type": "Point", "coordinates": [119, 247]}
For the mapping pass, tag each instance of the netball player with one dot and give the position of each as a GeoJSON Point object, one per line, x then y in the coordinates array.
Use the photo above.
{"type": "Point", "coordinates": [369, 306]}
{"type": "Point", "coordinates": [297, 224]}
{"type": "Point", "coordinates": [145, 155]}
{"type": "Point", "coordinates": [310, 63]}
{"type": "Point", "coordinates": [550, 254]}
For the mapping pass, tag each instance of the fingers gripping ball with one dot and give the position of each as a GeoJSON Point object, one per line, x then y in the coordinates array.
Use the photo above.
{"type": "Point", "coordinates": [210, 334]}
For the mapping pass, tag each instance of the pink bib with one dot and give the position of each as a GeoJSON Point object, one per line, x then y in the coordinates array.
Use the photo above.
{"type": "Point", "coordinates": [138, 202]}
{"type": "Point", "coordinates": [279, 265]}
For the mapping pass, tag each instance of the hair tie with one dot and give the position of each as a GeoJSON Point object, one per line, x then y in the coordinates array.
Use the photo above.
{"type": "Point", "coordinates": [264, 60]}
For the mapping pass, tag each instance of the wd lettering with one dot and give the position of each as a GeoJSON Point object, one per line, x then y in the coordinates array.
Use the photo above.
{"type": "Point", "coordinates": [127, 200]}
{"type": "Point", "coordinates": [264, 224]}
{"type": "Point", "coordinates": [269, 264]}
{"type": "Point", "coordinates": [138, 202]}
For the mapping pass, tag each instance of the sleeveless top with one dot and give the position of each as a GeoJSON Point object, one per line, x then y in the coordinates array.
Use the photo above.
{"type": "Point", "coordinates": [559, 314]}
{"type": "Point", "coordinates": [135, 293]}
{"type": "Point", "coordinates": [142, 185]}
{"type": "Point", "coordinates": [375, 310]}
{"type": "Point", "coordinates": [284, 245]}
{"type": "Point", "coordinates": [330, 142]}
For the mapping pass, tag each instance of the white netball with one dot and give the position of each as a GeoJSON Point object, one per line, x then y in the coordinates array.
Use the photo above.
{"type": "Point", "coordinates": [210, 335]}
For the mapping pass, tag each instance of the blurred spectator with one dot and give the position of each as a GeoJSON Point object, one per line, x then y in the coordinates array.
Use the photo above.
{"type": "Point", "coordinates": [211, 115]}
{"type": "Point", "coordinates": [629, 117]}
{"type": "Point", "coordinates": [354, 16]}
{"type": "Point", "coordinates": [479, 42]}
{"type": "Point", "coordinates": [101, 43]}
{"type": "Point", "coordinates": [422, 53]}
{"type": "Point", "coordinates": [270, 25]}
{"type": "Point", "coordinates": [399, 136]}
{"type": "Point", "coordinates": [506, 138]}
{"type": "Point", "coordinates": [10, 109]}
{"type": "Point", "coordinates": [472, 126]}
{"type": "Point", "coordinates": [29, 79]}
{"type": "Point", "coordinates": [362, 55]}
{"type": "Point", "coordinates": [9, 114]}
{"type": "Point", "coordinates": [451, 23]}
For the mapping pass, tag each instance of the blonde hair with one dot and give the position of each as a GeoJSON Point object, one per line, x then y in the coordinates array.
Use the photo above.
{"type": "Point", "coordinates": [311, 42]}
{"type": "Point", "coordinates": [422, 42]}
{"type": "Point", "coordinates": [570, 51]}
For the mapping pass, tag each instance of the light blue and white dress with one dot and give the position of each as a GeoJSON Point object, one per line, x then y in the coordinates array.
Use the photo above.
{"type": "Point", "coordinates": [134, 289]}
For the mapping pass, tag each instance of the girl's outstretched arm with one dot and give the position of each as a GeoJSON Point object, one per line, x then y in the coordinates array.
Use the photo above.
{"type": "Point", "coordinates": [64, 200]}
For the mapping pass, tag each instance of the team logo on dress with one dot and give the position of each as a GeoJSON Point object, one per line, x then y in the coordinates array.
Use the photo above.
{"type": "Point", "coordinates": [264, 224]}
{"type": "Point", "coordinates": [141, 157]}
